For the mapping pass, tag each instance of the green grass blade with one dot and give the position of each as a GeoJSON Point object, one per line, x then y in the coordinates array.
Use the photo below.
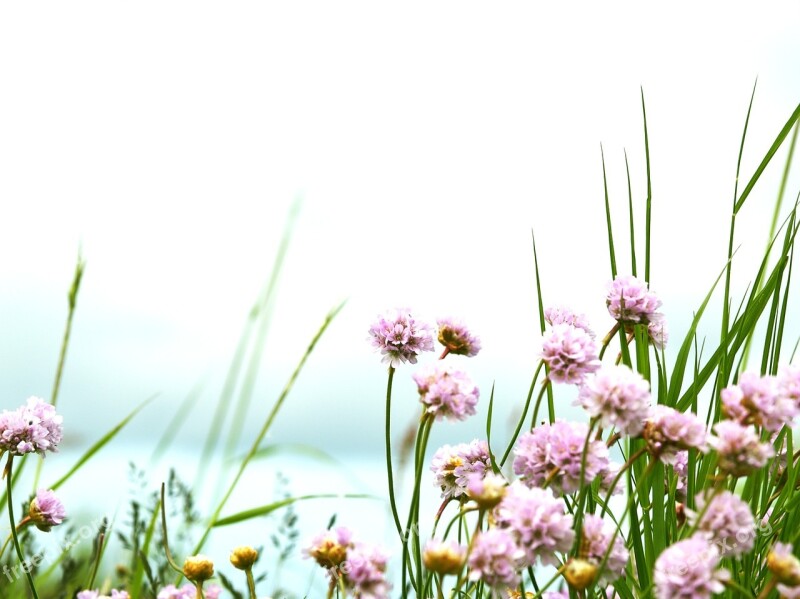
{"type": "Point", "coordinates": [648, 204]}
{"type": "Point", "coordinates": [611, 253]}
{"type": "Point", "coordinates": [630, 215]}
{"type": "Point", "coordinates": [102, 442]}
{"type": "Point", "coordinates": [263, 510]}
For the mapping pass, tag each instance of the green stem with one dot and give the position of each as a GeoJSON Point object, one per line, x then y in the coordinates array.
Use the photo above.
{"type": "Point", "coordinates": [251, 583]}
{"type": "Point", "coordinates": [538, 403]}
{"type": "Point", "coordinates": [522, 416]}
{"type": "Point", "coordinates": [388, 435]}
{"type": "Point", "coordinates": [8, 473]}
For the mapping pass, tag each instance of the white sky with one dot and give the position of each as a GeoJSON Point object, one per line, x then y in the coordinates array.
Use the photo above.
{"type": "Point", "coordinates": [168, 139]}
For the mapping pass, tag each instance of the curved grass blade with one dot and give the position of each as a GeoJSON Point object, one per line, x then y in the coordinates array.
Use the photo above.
{"type": "Point", "coordinates": [276, 505]}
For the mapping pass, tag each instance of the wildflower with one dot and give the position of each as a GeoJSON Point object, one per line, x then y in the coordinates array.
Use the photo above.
{"type": "Point", "coordinates": [681, 467]}
{"type": "Point", "coordinates": [667, 431]}
{"type": "Point", "coordinates": [444, 557]}
{"type": "Point", "coordinates": [329, 548]}
{"type": "Point", "coordinates": [619, 397]}
{"type": "Point", "coordinates": [495, 559]}
{"type": "Point", "coordinates": [198, 568]}
{"type": "Point", "coordinates": [33, 427]}
{"type": "Point", "coordinates": [757, 400]}
{"type": "Point", "coordinates": [115, 594]}
{"type": "Point", "coordinates": [188, 591]}
{"type": "Point", "coordinates": [453, 465]}
{"type": "Point", "coordinates": [688, 569]}
{"type": "Point", "coordinates": [630, 301]}
{"type": "Point", "coordinates": [728, 520]}
{"type": "Point", "coordinates": [456, 338]}
{"type": "Point", "coordinates": [364, 572]}
{"type": "Point", "coordinates": [446, 391]}
{"type": "Point", "coordinates": [570, 353]}
{"type": "Point", "coordinates": [486, 490]}
{"type": "Point", "coordinates": [783, 564]}
{"type": "Point", "coordinates": [46, 510]}
{"type": "Point", "coordinates": [243, 558]}
{"type": "Point", "coordinates": [538, 521]}
{"type": "Point", "coordinates": [561, 315]}
{"type": "Point", "coordinates": [400, 338]}
{"type": "Point", "coordinates": [739, 447]}
{"type": "Point", "coordinates": [657, 330]}
{"type": "Point", "coordinates": [595, 540]}
{"type": "Point", "coordinates": [552, 453]}
{"type": "Point", "coordinates": [788, 381]}
{"type": "Point", "coordinates": [580, 573]}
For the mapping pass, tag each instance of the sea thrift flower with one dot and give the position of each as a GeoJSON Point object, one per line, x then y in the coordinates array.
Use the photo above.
{"type": "Point", "coordinates": [594, 543]}
{"type": "Point", "coordinates": [486, 490]}
{"type": "Point", "coordinates": [561, 315]}
{"type": "Point", "coordinates": [456, 338]}
{"type": "Point", "coordinates": [579, 573]}
{"type": "Point", "coordinates": [757, 400]}
{"type": "Point", "coordinates": [446, 391]}
{"type": "Point", "coordinates": [444, 557]}
{"type": "Point", "coordinates": [365, 572]}
{"type": "Point", "coordinates": [789, 383]}
{"type": "Point", "coordinates": [188, 591]}
{"type": "Point", "coordinates": [538, 521]}
{"type": "Point", "coordinates": [619, 397]}
{"type": "Point", "coordinates": [729, 521]}
{"type": "Point", "coordinates": [552, 453]}
{"type": "Point", "coordinates": [630, 301]}
{"type": "Point", "coordinates": [688, 570]}
{"type": "Point", "coordinates": [658, 331]}
{"type": "Point", "coordinates": [783, 564]}
{"type": "Point", "coordinates": [739, 447]}
{"type": "Point", "coordinates": [400, 338]}
{"type": "Point", "coordinates": [570, 353]}
{"type": "Point", "coordinates": [495, 558]}
{"type": "Point", "coordinates": [667, 430]}
{"type": "Point", "coordinates": [115, 594]}
{"type": "Point", "coordinates": [453, 465]}
{"type": "Point", "coordinates": [46, 510]}
{"type": "Point", "coordinates": [198, 568]}
{"type": "Point", "coordinates": [680, 465]}
{"type": "Point", "coordinates": [329, 548]}
{"type": "Point", "coordinates": [243, 557]}
{"type": "Point", "coordinates": [34, 426]}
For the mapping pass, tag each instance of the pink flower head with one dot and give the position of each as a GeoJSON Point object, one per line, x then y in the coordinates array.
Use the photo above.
{"type": "Point", "coordinates": [456, 338]}
{"type": "Point", "coordinates": [739, 447]}
{"type": "Point", "coordinates": [658, 331]}
{"type": "Point", "coordinates": [619, 397]}
{"type": "Point", "coordinates": [453, 465]}
{"type": "Point", "coordinates": [33, 427]}
{"type": "Point", "coordinates": [667, 431]}
{"type": "Point", "coordinates": [789, 383]}
{"type": "Point", "coordinates": [680, 464]}
{"type": "Point", "coordinates": [783, 564]}
{"type": "Point", "coordinates": [115, 594]}
{"type": "Point", "coordinates": [329, 548]}
{"type": "Point", "coordinates": [594, 543]}
{"type": "Point", "coordinates": [570, 353]}
{"type": "Point", "coordinates": [538, 521]}
{"type": "Point", "coordinates": [630, 301]}
{"type": "Point", "coordinates": [561, 315]}
{"type": "Point", "coordinates": [444, 557]}
{"type": "Point", "coordinates": [757, 400]}
{"type": "Point", "coordinates": [46, 510]}
{"type": "Point", "coordinates": [188, 591]}
{"type": "Point", "coordinates": [728, 520]}
{"type": "Point", "coordinates": [400, 338]}
{"type": "Point", "coordinates": [688, 569]}
{"type": "Point", "coordinates": [446, 391]}
{"type": "Point", "coordinates": [553, 453]}
{"type": "Point", "coordinates": [365, 572]}
{"type": "Point", "coordinates": [495, 559]}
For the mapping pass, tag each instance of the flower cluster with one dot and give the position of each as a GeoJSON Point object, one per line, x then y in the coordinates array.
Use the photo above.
{"type": "Point", "coordinates": [453, 465]}
{"type": "Point", "coordinates": [728, 520]}
{"type": "Point", "coordinates": [761, 401]}
{"type": "Point", "coordinates": [189, 591]}
{"type": "Point", "coordinates": [630, 301]}
{"type": "Point", "coordinates": [595, 541]}
{"type": "Point", "coordinates": [446, 391]}
{"type": "Point", "coordinates": [739, 447]}
{"type": "Point", "coordinates": [667, 431]}
{"type": "Point", "coordinates": [619, 397]}
{"type": "Point", "coordinates": [456, 338]}
{"type": "Point", "coordinates": [495, 559]}
{"type": "Point", "coordinates": [689, 568]}
{"type": "Point", "coordinates": [552, 454]}
{"type": "Point", "coordinates": [400, 337]}
{"type": "Point", "coordinates": [570, 354]}
{"type": "Point", "coordinates": [33, 427]}
{"type": "Point", "coordinates": [115, 594]}
{"type": "Point", "coordinates": [46, 510]}
{"type": "Point", "coordinates": [563, 315]}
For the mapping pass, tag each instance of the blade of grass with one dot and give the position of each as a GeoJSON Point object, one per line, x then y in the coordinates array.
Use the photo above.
{"type": "Point", "coordinates": [630, 215]}
{"type": "Point", "coordinates": [263, 510]}
{"type": "Point", "coordinates": [648, 203]}
{"type": "Point", "coordinates": [611, 254]}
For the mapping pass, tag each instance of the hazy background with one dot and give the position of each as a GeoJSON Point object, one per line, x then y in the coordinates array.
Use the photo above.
{"type": "Point", "coordinates": [426, 140]}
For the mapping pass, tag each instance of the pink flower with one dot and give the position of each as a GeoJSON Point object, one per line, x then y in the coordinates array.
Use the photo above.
{"type": "Point", "coordinates": [400, 338]}
{"type": "Point", "coordinates": [188, 591]}
{"type": "Point", "coordinates": [453, 466]}
{"type": "Point", "coordinates": [561, 315]}
{"type": "Point", "coordinates": [739, 447]}
{"type": "Point", "coordinates": [789, 383]}
{"type": "Point", "coordinates": [619, 397]}
{"type": "Point", "coordinates": [570, 353]}
{"type": "Point", "coordinates": [329, 548]}
{"type": "Point", "coordinates": [757, 400]}
{"type": "Point", "coordinates": [667, 431]}
{"type": "Point", "coordinates": [446, 391]}
{"type": "Point", "coordinates": [658, 331]}
{"type": "Point", "coordinates": [630, 301]}
{"type": "Point", "coordinates": [365, 572]}
{"type": "Point", "coordinates": [456, 338]}
{"type": "Point", "coordinates": [728, 520]}
{"type": "Point", "coordinates": [688, 569]}
{"type": "Point", "coordinates": [553, 453]}
{"type": "Point", "coordinates": [46, 510]}
{"type": "Point", "coordinates": [594, 543]}
{"type": "Point", "coordinates": [115, 594]}
{"type": "Point", "coordinates": [33, 427]}
{"type": "Point", "coordinates": [495, 558]}
{"type": "Point", "coordinates": [538, 521]}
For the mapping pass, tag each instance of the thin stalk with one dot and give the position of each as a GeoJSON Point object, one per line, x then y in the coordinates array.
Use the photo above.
{"type": "Point", "coordinates": [8, 473]}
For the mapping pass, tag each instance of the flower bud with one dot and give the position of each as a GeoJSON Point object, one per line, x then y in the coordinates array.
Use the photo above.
{"type": "Point", "coordinates": [244, 557]}
{"type": "Point", "coordinates": [46, 510]}
{"type": "Point", "coordinates": [443, 557]}
{"type": "Point", "coordinates": [198, 568]}
{"type": "Point", "coordinates": [783, 564]}
{"type": "Point", "coordinates": [580, 573]}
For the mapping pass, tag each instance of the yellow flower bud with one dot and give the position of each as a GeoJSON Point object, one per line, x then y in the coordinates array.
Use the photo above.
{"type": "Point", "coordinates": [244, 557]}
{"type": "Point", "coordinates": [580, 573]}
{"type": "Point", "coordinates": [198, 568]}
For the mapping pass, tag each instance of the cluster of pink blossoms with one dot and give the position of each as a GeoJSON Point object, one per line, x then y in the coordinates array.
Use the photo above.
{"type": "Point", "coordinates": [115, 594]}
{"type": "Point", "coordinates": [400, 337]}
{"type": "Point", "coordinates": [361, 566]}
{"type": "Point", "coordinates": [618, 397]}
{"type": "Point", "coordinates": [728, 522]}
{"type": "Point", "coordinates": [630, 301]}
{"type": "Point", "coordinates": [33, 427]}
{"type": "Point", "coordinates": [452, 466]}
{"type": "Point", "coordinates": [597, 534]}
{"type": "Point", "coordinates": [456, 338]}
{"type": "Point", "coordinates": [189, 591]}
{"type": "Point", "coordinates": [570, 354]}
{"type": "Point", "coordinates": [764, 401]}
{"type": "Point", "coordinates": [446, 391]}
{"type": "Point", "coordinates": [46, 510]}
{"type": "Point", "coordinates": [689, 568]}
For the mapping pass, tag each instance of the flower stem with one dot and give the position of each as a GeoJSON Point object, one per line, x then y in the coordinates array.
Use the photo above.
{"type": "Point", "coordinates": [23, 563]}
{"type": "Point", "coordinates": [251, 583]}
